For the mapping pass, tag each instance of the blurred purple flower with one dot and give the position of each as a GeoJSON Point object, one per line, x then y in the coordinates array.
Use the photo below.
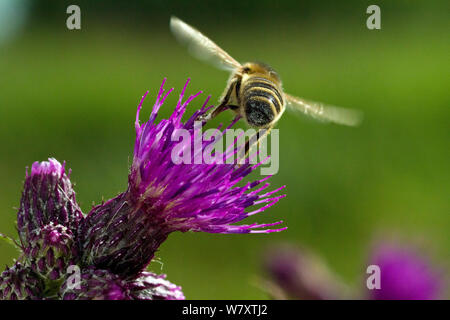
{"type": "Point", "coordinates": [123, 233]}
{"type": "Point", "coordinates": [299, 274]}
{"type": "Point", "coordinates": [404, 274]}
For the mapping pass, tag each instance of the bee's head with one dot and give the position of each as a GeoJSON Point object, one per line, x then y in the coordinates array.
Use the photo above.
{"type": "Point", "coordinates": [254, 68]}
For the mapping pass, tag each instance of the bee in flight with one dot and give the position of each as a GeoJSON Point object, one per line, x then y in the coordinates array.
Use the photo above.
{"type": "Point", "coordinates": [254, 91]}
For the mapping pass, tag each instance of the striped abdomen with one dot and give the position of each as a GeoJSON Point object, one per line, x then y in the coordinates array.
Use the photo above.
{"type": "Point", "coordinates": [262, 101]}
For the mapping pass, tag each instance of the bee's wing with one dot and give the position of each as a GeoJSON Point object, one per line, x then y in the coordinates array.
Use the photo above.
{"type": "Point", "coordinates": [201, 46]}
{"type": "Point", "coordinates": [324, 112]}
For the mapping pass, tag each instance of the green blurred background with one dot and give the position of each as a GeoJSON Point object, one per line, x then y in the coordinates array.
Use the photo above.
{"type": "Point", "coordinates": [73, 95]}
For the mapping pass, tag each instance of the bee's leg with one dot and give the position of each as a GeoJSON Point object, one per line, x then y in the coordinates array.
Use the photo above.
{"type": "Point", "coordinates": [217, 110]}
{"type": "Point", "coordinates": [221, 107]}
{"type": "Point", "coordinates": [251, 143]}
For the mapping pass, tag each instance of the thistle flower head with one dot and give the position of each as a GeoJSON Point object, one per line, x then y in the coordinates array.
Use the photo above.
{"type": "Point", "coordinates": [404, 274]}
{"type": "Point", "coordinates": [123, 234]}
{"type": "Point", "coordinates": [193, 196]}
{"type": "Point", "coordinates": [48, 197]}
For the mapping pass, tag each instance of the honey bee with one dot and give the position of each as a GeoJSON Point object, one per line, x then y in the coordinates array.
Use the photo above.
{"type": "Point", "coordinates": [254, 90]}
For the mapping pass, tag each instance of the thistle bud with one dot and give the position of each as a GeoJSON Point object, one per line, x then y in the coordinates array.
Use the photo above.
{"type": "Point", "coordinates": [47, 197]}
{"type": "Point", "coordinates": [150, 286]}
{"type": "Point", "coordinates": [20, 283]}
{"type": "Point", "coordinates": [50, 251]}
{"type": "Point", "coordinates": [97, 284]}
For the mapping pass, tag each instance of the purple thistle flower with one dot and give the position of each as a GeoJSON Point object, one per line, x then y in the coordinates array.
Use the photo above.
{"type": "Point", "coordinates": [48, 197]}
{"type": "Point", "coordinates": [122, 234]}
{"type": "Point", "coordinates": [98, 284]}
{"type": "Point", "coordinates": [299, 274]}
{"type": "Point", "coordinates": [404, 274]}
{"type": "Point", "coordinates": [20, 283]}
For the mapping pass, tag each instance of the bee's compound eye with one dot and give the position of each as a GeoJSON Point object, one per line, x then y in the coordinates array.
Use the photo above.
{"type": "Point", "coordinates": [246, 70]}
{"type": "Point", "coordinates": [259, 112]}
